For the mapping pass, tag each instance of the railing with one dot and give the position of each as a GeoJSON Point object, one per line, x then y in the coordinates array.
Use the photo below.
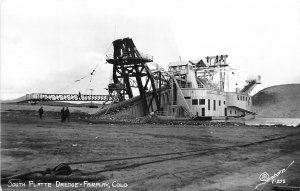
{"type": "Point", "coordinates": [67, 97]}
{"type": "Point", "coordinates": [190, 86]}
{"type": "Point", "coordinates": [126, 55]}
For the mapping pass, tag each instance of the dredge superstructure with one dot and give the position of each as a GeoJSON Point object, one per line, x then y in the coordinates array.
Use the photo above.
{"type": "Point", "coordinates": [202, 83]}
{"type": "Point", "coordinates": [194, 88]}
{"type": "Point", "coordinates": [187, 89]}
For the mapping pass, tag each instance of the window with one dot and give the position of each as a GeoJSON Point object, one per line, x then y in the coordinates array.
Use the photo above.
{"type": "Point", "coordinates": [188, 85]}
{"type": "Point", "coordinates": [194, 101]}
{"type": "Point", "coordinates": [215, 105]}
{"type": "Point", "coordinates": [234, 112]}
{"type": "Point", "coordinates": [202, 101]}
{"type": "Point", "coordinates": [219, 102]}
{"type": "Point", "coordinates": [230, 111]}
{"type": "Point", "coordinates": [187, 97]}
{"type": "Point", "coordinates": [224, 102]}
{"type": "Point", "coordinates": [208, 104]}
{"type": "Point", "coordinates": [237, 97]}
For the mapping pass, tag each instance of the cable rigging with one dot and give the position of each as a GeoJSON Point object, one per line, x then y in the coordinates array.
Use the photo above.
{"type": "Point", "coordinates": [80, 79]}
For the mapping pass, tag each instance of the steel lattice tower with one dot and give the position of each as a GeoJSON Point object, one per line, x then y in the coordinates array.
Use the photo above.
{"type": "Point", "coordinates": [128, 63]}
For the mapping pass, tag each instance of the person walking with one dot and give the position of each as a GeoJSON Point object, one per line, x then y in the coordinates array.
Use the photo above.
{"type": "Point", "coordinates": [41, 112]}
{"type": "Point", "coordinates": [62, 114]}
{"type": "Point", "coordinates": [67, 114]}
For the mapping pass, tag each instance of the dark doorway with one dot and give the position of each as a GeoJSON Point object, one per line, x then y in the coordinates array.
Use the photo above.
{"type": "Point", "coordinates": [225, 111]}
{"type": "Point", "coordinates": [203, 112]}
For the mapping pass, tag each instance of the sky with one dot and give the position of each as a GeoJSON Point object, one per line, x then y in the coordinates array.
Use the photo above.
{"type": "Point", "coordinates": [46, 45]}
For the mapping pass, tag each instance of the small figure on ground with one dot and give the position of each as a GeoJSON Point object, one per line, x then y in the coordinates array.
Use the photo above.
{"type": "Point", "coordinates": [62, 114]}
{"type": "Point", "coordinates": [79, 96]}
{"type": "Point", "coordinates": [41, 112]}
{"type": "Point", "coordinates": [67, 114]}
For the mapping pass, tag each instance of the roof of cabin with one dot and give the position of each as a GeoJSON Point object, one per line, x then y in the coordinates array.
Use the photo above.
{"type": "Point", "coordinates": [178, 63]}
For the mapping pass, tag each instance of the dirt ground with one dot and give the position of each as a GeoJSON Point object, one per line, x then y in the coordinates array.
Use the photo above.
{"type": "Point", "coordinates": [28, 144]}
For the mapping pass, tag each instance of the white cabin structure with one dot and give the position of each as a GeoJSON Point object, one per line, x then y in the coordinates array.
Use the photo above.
{"type": "Point", "coordinates": [202, 85]}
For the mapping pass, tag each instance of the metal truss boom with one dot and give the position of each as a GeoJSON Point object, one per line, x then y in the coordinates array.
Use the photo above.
{"type": "Point", "coordinates": [130, 64]}
{"type": "Point", "coordinates": [67, 97]}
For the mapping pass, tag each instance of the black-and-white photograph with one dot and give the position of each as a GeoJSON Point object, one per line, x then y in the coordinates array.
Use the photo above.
{"type": "Point", "coordinates": [150, 95]}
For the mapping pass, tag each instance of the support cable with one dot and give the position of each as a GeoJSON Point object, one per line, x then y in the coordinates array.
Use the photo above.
{"type": "Point", "coordinates": [80, 79]}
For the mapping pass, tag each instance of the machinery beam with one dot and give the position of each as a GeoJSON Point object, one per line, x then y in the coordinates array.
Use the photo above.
{"type": "Point", "coordinates": [67, 97]}
{"type": "Point", "coordinates": [128, 64]}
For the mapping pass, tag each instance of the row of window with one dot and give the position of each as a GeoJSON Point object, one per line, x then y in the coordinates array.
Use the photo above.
{"type": "Point", "coordinates": [202, 102]}
{"type": "Point", "coordinates": [242, 98]}
{"type": "Point", "coordinates": [198, 102]}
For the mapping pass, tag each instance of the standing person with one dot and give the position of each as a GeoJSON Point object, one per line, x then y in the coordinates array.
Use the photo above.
{"type": "Point", "coordinates": [67, 114]}
{"type": "Point", "coordinates": [41, 112]}
{"type": "Point", "coordinates": [79, 96]}
{"type": "Point", "coordinates": [62, 114]}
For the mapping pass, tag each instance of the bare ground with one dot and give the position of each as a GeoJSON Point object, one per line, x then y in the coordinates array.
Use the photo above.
{"type": "Point", "coordinates": [28, 144]}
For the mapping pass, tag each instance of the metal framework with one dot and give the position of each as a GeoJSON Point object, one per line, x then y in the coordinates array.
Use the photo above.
{"type": "Point", "coordinates": [129, 63]}
{"type": "Point", "coordinates": [130, 70]}
{"type": "Point", "coordinates": [67, 97]}
{"type": "Point", "coordinates": [206, 70]}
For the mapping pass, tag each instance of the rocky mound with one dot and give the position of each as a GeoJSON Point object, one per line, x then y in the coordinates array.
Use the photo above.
{"type": "Point", "coordinates": [278, 101]}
